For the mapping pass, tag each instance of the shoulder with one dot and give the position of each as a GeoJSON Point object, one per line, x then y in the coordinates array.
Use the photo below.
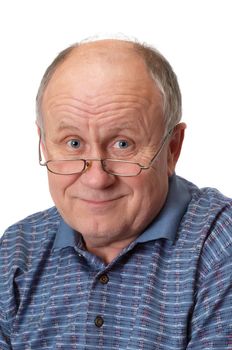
{"type": "Point", "coordinates": [207, 200]}
{"type": "Point", "coordinates": [33, 225]}
{"type": "Point", "coordinates": [23, 247]}
{"type": "Point", "coordinates": [37, 218]}
{"type": "Point", "coordinates": [21, 240]}
{"type": "Point", "coordinates": [208, 223]}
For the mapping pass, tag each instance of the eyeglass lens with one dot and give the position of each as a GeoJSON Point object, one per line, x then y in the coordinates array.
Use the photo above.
{"type": "Point", "coordinates": [67, 167]}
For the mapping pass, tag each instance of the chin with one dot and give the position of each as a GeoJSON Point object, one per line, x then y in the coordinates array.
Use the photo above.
{"type": "Point", "coordinates": [100, 233]}
{"type": "Point", "coordinates": [98, 230]}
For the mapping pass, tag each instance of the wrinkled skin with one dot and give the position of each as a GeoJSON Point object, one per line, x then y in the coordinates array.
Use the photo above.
{"type": "Point", "coordinates": [103, 98]}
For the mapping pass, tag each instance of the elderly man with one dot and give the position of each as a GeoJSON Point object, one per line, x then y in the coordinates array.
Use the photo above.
{"type": "Point", "coordinates": [131, 256]}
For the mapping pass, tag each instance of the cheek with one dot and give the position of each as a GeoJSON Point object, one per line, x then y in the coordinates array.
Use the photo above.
{"type": "Point", "coordinates": [151, 190]}
{"type": "Point", "coordinates": [59, 183]}
{"type": "Point", "coordinates": [149, 194]}
{"type": "Point", "coordinates": [142, 187]}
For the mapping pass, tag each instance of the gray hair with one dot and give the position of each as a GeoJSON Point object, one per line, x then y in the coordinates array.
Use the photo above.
{"type": "Point", "coordinates": [160, 69]}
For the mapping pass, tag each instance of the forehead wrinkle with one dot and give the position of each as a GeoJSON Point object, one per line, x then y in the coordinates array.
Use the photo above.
{"type": "Point", "coordinates": [71, 121]}
{"type": "Point", "coordinates": [99, 101]}
{"type": "Point", "coordinates": [64, 103]}
{"type": "Point", "coordinates": [76, 108]}
{"type": "Point", "coordinates": [122, 125]}
{"type": "Point", "coordinates": [120, 112]}
{"type": "Point", "coordinates": [126, 118]}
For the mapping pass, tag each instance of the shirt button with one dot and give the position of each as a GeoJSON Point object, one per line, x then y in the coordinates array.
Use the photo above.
{"type": "Point", "coordinates": [99, 321]}
{"type": "Point", "coordinates": [104, 279]}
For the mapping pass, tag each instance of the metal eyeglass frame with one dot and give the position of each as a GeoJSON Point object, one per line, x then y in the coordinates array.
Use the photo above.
{"type": "Point", "coordinates": [87, 162]}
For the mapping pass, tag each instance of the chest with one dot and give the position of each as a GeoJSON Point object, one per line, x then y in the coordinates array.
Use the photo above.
{"type": "Point", "coordinates": [142, 301]}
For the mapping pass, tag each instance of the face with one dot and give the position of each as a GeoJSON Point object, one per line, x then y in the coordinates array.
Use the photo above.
{"type": "Point", "coordinates": [100, 104]}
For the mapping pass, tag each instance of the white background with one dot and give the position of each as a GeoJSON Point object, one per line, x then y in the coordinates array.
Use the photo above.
{"type": "Point", "coordinates": [195, 36]}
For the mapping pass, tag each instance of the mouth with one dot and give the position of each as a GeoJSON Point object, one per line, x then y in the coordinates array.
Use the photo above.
{"type": "Point", "coordinates": [99, 202]}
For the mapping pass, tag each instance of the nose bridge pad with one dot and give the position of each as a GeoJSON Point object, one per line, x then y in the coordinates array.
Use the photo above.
{"type": "Point", "coordinates": [89, 163]}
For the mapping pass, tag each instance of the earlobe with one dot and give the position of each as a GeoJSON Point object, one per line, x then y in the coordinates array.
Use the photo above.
{"type": "Point", "coordinates": [175, 145]}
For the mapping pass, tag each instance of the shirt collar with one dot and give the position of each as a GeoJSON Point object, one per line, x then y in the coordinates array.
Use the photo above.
{"type": "Point", "coordinates": [65, 236]}
{"type": "Point", "coordinates": [165, 225]}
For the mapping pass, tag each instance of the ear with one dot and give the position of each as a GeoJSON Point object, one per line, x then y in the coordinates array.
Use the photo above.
{"type": "Point", "coordinates": [41, 142]}
{"type": "Point", "coordinates": [174, 147]}
{"type": "Point", "coordinates": [38, 129]}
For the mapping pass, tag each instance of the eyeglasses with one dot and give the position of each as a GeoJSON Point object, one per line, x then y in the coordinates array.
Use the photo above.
{"type": "Point", "coordinates": [111, 166]}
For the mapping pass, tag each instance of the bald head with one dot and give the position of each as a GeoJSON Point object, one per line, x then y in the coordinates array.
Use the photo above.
{"type": "Point", "coordinates": [101, 64]}
{"type": "Point", "coordinates": [108, 49]}
{"type": "Point", "coordinates": [137, 59]}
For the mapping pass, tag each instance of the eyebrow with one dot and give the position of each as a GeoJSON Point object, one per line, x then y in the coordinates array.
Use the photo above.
{"type": "Point", "coordinates": [117, 127]}
{"type": "Point", "coordinates": [63, 126]}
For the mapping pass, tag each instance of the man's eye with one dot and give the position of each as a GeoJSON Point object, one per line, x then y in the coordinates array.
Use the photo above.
{"type": "Point", "coordinates": [74, 143]}
{"type": "Point", "coordinates": [121, 144]}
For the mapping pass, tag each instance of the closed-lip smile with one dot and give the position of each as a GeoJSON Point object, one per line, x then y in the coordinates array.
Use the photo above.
{"type": "Point", "coordinates": [99, 201]}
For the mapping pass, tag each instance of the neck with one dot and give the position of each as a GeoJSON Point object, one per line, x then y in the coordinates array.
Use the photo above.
{"type": "Point", "coordinates": [108, 252]}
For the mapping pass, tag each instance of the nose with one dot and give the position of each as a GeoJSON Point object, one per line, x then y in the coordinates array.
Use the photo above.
{"type": "Point", "coordinates": [95, 177]}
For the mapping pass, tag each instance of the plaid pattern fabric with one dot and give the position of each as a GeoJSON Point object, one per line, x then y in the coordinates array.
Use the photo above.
{"type": "Point", "coordinates": [170, 289]}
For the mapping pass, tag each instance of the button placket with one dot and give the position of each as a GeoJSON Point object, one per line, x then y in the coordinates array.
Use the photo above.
{"type": "Point", "coordinates": [99, 320]}
{"type": "Point", "coordinates": [96, 310]}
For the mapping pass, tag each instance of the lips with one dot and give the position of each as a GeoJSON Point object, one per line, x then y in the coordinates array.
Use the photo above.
{"type": "Point", "coordinates": [98, 201]}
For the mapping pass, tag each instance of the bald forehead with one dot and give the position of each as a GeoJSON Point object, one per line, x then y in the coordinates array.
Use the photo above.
{"type": "Point", "coordinates": [116, 53]}
{"type": "Point", "coordinates": [99, 76]}
{"type": "Point", "coordinates": [102, 67]}
{"type": "Point", "coordinates": [108, 61]}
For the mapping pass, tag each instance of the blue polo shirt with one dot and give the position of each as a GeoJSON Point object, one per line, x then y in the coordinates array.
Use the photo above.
{"type": "Point", "coordinates": [169, 289]}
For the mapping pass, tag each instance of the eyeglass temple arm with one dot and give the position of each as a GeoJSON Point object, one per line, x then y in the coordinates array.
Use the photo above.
{"type": "Point", "coordinates": [40, 155]}
{"type": "Point", "coordinates": [160, 149]}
